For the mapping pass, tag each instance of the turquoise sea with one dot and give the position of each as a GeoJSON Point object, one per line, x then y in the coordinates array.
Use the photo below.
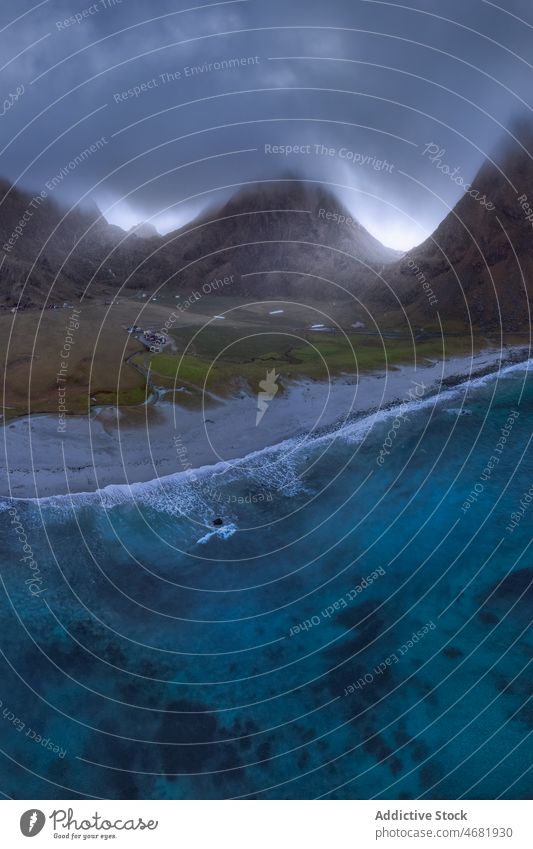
{"type": "Point", "coordinates": [352, 630]}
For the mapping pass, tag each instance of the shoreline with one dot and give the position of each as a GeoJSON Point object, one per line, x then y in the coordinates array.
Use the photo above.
{"type": "Point", "coordinates": [140, 444]}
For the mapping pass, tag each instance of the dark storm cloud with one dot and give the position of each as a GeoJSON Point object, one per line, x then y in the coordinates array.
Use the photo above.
{"type": "Point", "coordinates": [187, 100]}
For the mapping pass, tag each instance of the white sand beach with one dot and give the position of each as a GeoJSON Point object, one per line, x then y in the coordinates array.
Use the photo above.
{"type": "Point", "coordinates": [143, 443]}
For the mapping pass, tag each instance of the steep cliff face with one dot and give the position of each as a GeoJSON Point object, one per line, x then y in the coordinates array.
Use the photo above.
{"type": "Point", "coordinates": [48, 250]}
{"type": "Point", "coordinates": [479, 262]}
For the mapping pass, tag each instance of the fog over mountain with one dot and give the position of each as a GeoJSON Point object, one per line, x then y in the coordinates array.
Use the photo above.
{"type": "Point", "coordinates": [298, 232]}
{"type": "Point", "coordinates": [183, 107]}
{"type": "Point", "coordinates": [292, 238]}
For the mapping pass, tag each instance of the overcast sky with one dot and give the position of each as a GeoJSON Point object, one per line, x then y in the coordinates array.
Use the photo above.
{"type": "Point", "coordinates": [363, 78]}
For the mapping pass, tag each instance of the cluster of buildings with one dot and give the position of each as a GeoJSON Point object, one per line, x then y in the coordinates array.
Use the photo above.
{"type": "Point", "coordinates": [151, 339]}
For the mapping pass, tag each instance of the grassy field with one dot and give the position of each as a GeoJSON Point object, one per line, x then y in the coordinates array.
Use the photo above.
{"type": "Point", "coordinates": [30, 357]}
{"type": "Point", "coordinates": [219, 360]}
{"type": "Point", "coordinates": [106, 366]}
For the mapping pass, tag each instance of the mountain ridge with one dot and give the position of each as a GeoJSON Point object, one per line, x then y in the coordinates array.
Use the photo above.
{"type": "Point", "coordinates": [476, 269]}
{"type": "Point", "coordinates": [276, 226]}
{"type": "Point", "coordinates": [479, 261]}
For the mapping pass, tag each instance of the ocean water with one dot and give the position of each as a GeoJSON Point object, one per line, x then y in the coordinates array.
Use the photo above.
{"type": "Point", "coordinates": [358, 626]}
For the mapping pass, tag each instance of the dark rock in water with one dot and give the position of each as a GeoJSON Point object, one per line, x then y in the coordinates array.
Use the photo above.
{"type": "Point", "coordinates": [452, 652]}
{"type": "Point", "coordinates": [419, 751]}
{"type": "Point", "coordinates": [395, 765]}
{"type": "Point", "coordinates": [218, 522]}
{"type": "Point", "coordinates": [488, 618]}
{"type": "Point", "coordinates": [518, 584]}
